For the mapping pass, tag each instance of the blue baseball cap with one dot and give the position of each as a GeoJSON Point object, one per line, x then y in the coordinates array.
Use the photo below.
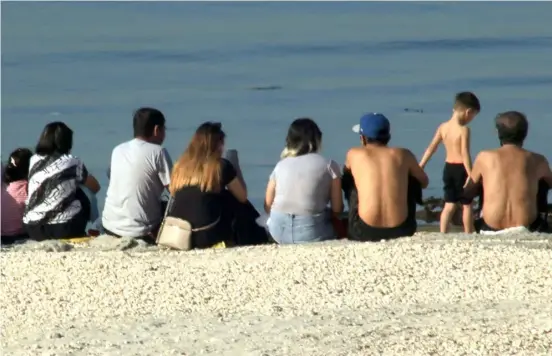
{"type": "Point", "coordinates": [373, 125]}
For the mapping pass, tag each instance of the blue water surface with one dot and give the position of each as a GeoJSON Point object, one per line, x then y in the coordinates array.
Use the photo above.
{"type": "Point", "coordinates": [91, 64]}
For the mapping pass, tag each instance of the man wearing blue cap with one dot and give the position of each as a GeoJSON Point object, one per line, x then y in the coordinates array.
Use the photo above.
{"type": "Point", "coordinates": [383, 205]}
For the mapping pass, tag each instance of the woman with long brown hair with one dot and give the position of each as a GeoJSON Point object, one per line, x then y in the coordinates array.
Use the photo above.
{"type": "Point", "coordinates": [198, 186]}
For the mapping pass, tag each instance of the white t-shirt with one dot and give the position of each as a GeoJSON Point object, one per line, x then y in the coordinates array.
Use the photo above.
{"type": "Point", "coordinates": [139, 173]}
{"type": "Point", "coordinates": [52, 189]}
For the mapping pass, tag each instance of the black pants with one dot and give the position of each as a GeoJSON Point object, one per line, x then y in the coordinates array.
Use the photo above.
{"type": "Point", "coordinates": [76, 227]}
{"type": "Point", "coordinates": [360, 231]}
{"type": "Point", "coordinates": [237, 226]}
{"type": "Point", "coordinates": [9, 240]}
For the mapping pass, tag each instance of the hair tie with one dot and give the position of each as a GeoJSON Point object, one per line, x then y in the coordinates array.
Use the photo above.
{"type": "Point", "coordinates": [12, 161]}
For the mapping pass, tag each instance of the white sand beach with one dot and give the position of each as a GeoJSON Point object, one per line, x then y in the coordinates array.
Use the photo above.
{"type": "Point", "coordinates": [428, 295]}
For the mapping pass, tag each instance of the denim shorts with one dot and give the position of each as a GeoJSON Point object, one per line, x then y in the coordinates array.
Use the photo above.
{"type": "Point", "coordinates": [295, 229]}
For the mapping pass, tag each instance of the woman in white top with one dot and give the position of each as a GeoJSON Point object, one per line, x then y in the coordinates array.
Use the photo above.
{"type": "Point", "coordinates": [56, 208]}
{"type": "Point", "coordinates": [300, 188]}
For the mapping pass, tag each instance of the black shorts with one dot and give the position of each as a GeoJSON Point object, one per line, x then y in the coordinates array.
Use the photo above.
{"type": "Point", "coordinates": [360, 231]}
{"type": "Point", "coordinates": [454, 178]}
{"type": "Point", "coordinates": [539, 225]}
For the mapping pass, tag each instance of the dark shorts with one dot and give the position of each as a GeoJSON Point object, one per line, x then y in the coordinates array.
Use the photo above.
{"type": "Point", "coordinates": [454, 178]}
{"type": "Point", "coordinates": [539, 225]}
{"type": "Point", "coordinates": [360, 231]}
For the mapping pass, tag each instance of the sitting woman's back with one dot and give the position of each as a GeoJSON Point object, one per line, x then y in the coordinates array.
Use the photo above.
{"type": "Point", "coordinates": [198, 187]}
{"type": "Point", "coordinates": [56, 207]}
{"type": "Point", "coordinates": [303, 184]}
{"type": "Point", "coordinates": [300, 188]}
{"type": "Point", "coordinates": [14, 194]}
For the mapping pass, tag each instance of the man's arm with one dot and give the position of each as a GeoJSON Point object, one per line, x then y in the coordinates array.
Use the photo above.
{"type": "Point", "coordinates": [164, 167]}
{"type": "Point", "coordinates": [432, 147]}
{"type": "Point", "coordinates": [545, 172]}
{"type": "Point", "coordinates": [473, 188]}
{"type": "Point", "coordinates": [465, 149]}
{"type": "Point", "coordinates": [415, 170]}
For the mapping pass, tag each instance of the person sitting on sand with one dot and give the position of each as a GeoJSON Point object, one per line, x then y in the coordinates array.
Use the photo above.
{"type": "Point", "coordinates": [509, 177]}
{"type": "Point", "coordinates": [207, 192]}
{"type": "Point", "coordinates": [300, 188]}
{"type": "Point", "coordinates": [139, 173]}
{"type": "Point", "coordinates": [56, 208]}
{"type": "Point", "coordinates": [455, 135]}
{"type": "Point", "coordinates": [15, 177]}
{"type": "Point", "coordinates": [388, 183]}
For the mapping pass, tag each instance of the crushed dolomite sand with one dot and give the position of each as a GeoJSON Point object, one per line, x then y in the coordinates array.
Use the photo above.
{"type": "Point", "coordinates": [427, 295]}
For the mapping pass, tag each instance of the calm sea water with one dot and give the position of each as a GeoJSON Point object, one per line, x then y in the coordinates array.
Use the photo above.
{"type": "Point", "coordinates": [92, 64]}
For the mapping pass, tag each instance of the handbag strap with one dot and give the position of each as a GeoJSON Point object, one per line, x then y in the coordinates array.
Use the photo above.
{"type": "Point", "coordinates": [169, 204]}
{"type": "Point", "coordinates": [206, 227]}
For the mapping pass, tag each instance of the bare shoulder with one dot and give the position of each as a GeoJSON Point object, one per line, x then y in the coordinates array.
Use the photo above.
{"type": "Point", "coordinates": [538, 158]}
{"type": "Point", "coordinates": [354, 152]}
{"type": "Point", "coordinates": [405, 153]}
{"type": "Point", "coordinates": [485, 155]}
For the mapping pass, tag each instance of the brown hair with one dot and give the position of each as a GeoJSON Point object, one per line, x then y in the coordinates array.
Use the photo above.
{"type": "Point", "coordinates": [467, 100]}
{"type": "Point", "coordinates": [199, 165]}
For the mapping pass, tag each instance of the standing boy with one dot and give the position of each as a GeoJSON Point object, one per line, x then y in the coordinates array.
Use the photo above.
{"type": "Point", "coordinates": [455, 135]}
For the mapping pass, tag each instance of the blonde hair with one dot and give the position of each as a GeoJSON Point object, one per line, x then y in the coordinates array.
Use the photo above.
{"type": "Point", "coordinates": [294, 152]}
{"type": "Point", "coordinates": [199, 165]}
{"type": "Point", "coordinates": [304, 136]}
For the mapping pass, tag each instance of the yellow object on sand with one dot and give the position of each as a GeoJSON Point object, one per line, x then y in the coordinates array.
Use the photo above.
{"type": "Point", "coordinates": [220, 245]}
{"type": "Point", "coordinates": [78, 240]}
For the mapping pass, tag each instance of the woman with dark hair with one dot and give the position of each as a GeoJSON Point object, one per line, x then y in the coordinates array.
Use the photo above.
{"type": "Point", "coordinates": [300, 188]}
{"type": "Point", "coordinates": [56, 208]}
{"type": "Point", "coordinates": [207, 191]}
{"type": "Point", "coordinates": [14, 193]}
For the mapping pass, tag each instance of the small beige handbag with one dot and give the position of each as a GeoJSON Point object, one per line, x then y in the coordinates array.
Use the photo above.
{"type": "Point", "coordinates": [176, 233]}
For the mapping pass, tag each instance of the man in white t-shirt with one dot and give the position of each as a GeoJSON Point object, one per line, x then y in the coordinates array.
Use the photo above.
{"type": "Point", "coordinates": [139, 173]}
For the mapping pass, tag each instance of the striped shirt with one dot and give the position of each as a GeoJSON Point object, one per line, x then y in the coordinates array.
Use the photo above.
{"type": "Point", "coordinates": [13, 206]}
{"type": "Point", "coordinates": [53, 183]}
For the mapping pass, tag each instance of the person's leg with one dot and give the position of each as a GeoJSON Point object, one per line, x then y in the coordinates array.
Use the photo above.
{"type": "Point", "coordinates": [446, 215]}
{"type": "Point", "coordinates": [450, 190]}
{"type": "Point", "coordinates": [467, 218]}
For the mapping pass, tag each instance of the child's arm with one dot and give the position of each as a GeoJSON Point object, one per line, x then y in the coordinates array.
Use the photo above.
{"type": "Point", "coordinates": [432, 147]}
{"type": "Point", "coordinates": [465, 149]}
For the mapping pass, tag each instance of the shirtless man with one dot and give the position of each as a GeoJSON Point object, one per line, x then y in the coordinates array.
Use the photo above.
{"type": "Point", "coordinates": [509, 177]}
{"type": "Point", "coordinates": [382, 207]}
{"type": "Point", "coordinates": [455, 135]}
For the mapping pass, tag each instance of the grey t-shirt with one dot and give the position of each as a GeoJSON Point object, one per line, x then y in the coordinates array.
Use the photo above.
{"type": "Point", "coordinates": [139, 173]}
{"type": "Point", "coordinates": [303, 184]}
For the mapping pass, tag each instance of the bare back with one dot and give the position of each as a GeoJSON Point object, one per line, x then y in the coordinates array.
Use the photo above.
{"type": "Point", "coordinates": [381, 176]}
{"type": "Point", "coordinates": [510, 176]}
{"type": "Point", "coordinates": [453, 135]}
